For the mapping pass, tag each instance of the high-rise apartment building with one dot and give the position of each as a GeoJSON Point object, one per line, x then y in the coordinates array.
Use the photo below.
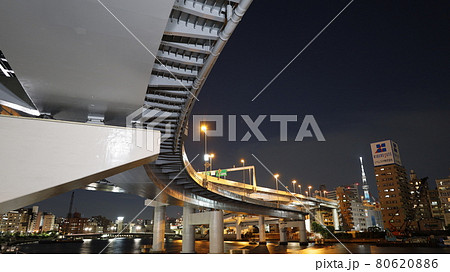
{"type": "Point", "coordinates": [392, 184]}
{"type": "Point", "coordinates": [443, 188]}
{"type": "Point", "coordinates": [18, 221]}
{"type": "Point", "coordinates": [48, 222]}
{"type": "Point", "coordinates": [351, 209]}
{"type": "Point", "coordinates": [420, 199]}
{"type": "Point", "coordinates": [435, 204]}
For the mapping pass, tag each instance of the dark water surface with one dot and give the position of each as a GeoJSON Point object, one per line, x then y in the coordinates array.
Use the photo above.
{"type": "Point", "coordinates": [133, 246]}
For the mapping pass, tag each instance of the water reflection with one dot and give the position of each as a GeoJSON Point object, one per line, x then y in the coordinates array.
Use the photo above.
{"type": "Point", "coordinates": [133, 246]}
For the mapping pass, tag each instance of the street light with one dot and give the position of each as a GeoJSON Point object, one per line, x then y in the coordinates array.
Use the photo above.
{"type": "Point", "coordinates": [211, 156]}
{"type": "Point", "coordinates": [204, 129]}
{"type": "Point", "coordinates": [306, 192]}
{"type": "Point", "coordinates": [293, 184]}
{"type": "Point", "coordinates": [276, 176]}
{"type": "Point", "coordinates": [309, 189]}
{"type": "Point", "coordinates": [300, 188]}
{"type": "Point", "coordinates": [243, 171]}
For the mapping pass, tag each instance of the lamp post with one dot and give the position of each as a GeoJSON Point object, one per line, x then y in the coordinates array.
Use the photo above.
{"type": "Point", "coordinates": [211, 156]}
{"type": "Point", "coordinates": [243, 171]}
{"type": "Point", "coordinates": [276, 181]}
{"type": "Point", "coordinates": [276, 176]}
{"type": "Point", "coordinates": [309, 189]}
{"type": "Point", "coordinates": [306, 192]}
{"type": "Point", "coordinates": [293, 184]}
{"type": "Point", "coordinates": [300, 188]}
{"type": "Point", "coordinates": [204, 129]}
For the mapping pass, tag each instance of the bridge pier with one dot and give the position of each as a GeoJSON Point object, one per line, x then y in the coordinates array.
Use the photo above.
{"type": "Point", "coordinates": [283, 236]}
{"type": "Point", "coordinates": [159, 228]}
{"type": "Point", "coordinates": [335, 219]}
{"type": "Point", "coordinates": [238, 228]}
{"type": "Point", "coordinates": [215, 221]}
{"type": "Point", "coordinates": [188, 242]}
{"type": "Point", "coordinates": [302, 233]}
{"type": "Point", "coordinates": [262, 231]}
{"type": "Point", "coordinates": [216, 233]}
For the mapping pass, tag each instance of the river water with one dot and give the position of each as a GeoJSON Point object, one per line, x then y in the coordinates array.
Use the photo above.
{"type": "Point", "coordinates": [130, 246]}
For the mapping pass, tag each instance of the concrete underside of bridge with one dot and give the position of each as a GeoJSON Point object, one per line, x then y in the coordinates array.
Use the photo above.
{"type": "Point", "coordinates": [43, 158]}
{"type": "Point", "coordinates": [74, 58]}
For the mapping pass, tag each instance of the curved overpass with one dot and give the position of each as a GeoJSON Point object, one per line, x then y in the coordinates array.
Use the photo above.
{"type": "Point", "coordinates": [194, 37]}
{"type": "Point", "coordinates": [70, 86]}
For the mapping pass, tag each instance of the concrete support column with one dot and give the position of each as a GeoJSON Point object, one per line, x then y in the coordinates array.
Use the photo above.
{"type": "Point", "coordinates": [283, 236]}
{"type": "Point", "coordinates": [216, 233]}
{"type": "Point", "coordinates": [302, 233]}
{"type": "Point", "coordinates": [188, 243]}
{"type": "Point", "coordinates": [262, 232]}
{"type": "Point", "coordinates": [335, 219]}
{"type": "Point", "coordinates": [238, 228]}
{"type": "Point", "coordinates": [159, 228]}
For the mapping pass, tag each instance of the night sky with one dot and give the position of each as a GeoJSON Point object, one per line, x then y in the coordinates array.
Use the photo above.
{"type": "Point", "coordinates": [379, 71]}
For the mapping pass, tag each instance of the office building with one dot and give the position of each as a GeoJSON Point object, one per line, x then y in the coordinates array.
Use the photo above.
{"type": "Point", "coordinates": [392, 184]}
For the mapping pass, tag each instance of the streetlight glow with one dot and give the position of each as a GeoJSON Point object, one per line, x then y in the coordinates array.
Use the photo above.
{"type": "Point", "coordinates": [211, 156]}
{"type": "Point", "coordinates": [276, 181]}
{"type": "Point", "coordinates": [206, 156]}
{"type": "Point", "coordinates": [243, 172]}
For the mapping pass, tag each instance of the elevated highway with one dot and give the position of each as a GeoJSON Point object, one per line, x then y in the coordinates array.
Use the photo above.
{"type": "Point", "coordinates": [103, 60]}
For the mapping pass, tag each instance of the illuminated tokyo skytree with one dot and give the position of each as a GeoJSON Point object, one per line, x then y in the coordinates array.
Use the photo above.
{"type": "Point", "coordinates": [365, 186]}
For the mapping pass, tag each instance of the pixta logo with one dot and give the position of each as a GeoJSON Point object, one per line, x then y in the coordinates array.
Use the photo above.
{"type": "Point", "coordinates": [306, 129]}
{"type": "Point", "coordinates": [147, 121]}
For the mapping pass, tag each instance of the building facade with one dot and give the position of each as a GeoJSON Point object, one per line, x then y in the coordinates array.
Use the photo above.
{"type": "Point", "coordinates": [443, 188]}
{"type": "Point", "coordinates": [420, 198]}
{"type": "Point", "coordinates": [18, 221]}
{"type": "Point", "coordinates": [372, 212]}
{"type": "Point", "coordinates": [48, 222]}
{"type": "Point", "coordinates": [351, 209]}
{"type": "Point", "coordinates": [394, 190]}
{"type": "Point", "coordinates": [76, 224]}
{"type": "Point", "coordinates": [435, 204]}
